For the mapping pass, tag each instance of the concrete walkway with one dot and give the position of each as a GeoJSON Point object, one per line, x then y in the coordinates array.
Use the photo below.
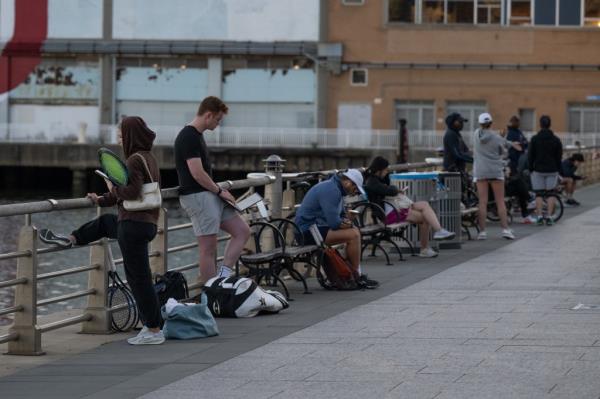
{"type": "Point", "coordinates": [493, 320]}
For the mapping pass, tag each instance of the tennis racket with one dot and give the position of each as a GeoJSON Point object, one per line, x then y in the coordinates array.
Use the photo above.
{"type": "Point", "coordinates": [113, 167]}
{"type": "Point", "coordinates": [124, 314]}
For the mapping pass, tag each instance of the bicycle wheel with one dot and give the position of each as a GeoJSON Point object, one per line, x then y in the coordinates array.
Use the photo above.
{"type": "Point", "coordinates": [558, 207]}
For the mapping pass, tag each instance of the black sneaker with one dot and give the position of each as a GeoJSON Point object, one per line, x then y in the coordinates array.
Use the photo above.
{"type": "Point", "coordinates": [49, 237]}
{"type": "Point", "coordinates": [365, 282]}
{"type": "Point", "coordinates": [573, 202]}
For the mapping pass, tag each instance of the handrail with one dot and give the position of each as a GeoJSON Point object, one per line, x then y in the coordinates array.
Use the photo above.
{"type": "Point", "coordinates": [10, 283]}
{"type": "Point", "coordinates": [65, 297]}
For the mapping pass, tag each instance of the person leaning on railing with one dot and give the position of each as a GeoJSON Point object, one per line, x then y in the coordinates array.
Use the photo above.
{"type": "Point", "coordinates": [132, 229]}
{"type": "Point", "coordinates": [377, 186]}
{"type": "Point", "coordinates": [323, 206]}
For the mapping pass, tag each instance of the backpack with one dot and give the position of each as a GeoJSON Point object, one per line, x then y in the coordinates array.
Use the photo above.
{"type": "Point", "coordinates": [170, 285]}
{"type": "Point", "coordinates": [241, 297]}
{"type": "Point", "coordinates": [338, 272]}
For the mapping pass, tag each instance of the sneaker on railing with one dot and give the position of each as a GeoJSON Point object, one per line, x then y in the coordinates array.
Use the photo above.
{"type": "Point", "coordinates": [48, 237]}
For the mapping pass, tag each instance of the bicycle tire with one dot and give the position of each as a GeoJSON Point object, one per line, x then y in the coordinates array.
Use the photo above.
{"type": "Point", "coordinates": [558, 209]}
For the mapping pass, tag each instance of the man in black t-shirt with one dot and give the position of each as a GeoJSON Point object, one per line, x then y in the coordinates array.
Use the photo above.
{"type": "Point", "coordinates": [203, 200]}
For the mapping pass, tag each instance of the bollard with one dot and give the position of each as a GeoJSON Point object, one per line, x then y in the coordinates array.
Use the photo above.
{"type": "Point", "coordinates": [97, 303]}
{"type": "Point", "coordinates": [274, 192]}
{"type": "Point", "coordinates": [25, 322]}
{"type": "Point", "coordinates": [160, 244]}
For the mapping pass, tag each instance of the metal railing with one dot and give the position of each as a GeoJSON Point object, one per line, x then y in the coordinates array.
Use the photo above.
{"type": "Point", "coordinates": [261, 137]}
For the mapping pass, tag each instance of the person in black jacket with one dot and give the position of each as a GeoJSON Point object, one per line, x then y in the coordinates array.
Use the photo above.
{"type": "Point", "coordinates": [569, 178]}
{"type": "Point", "coordinates": [514, 134]}
{"type": "Point", "coordinates": [545, 156]}
{"type": "Point", "coordinates": [377, 185]}
{"type": "Point", "coordinates": [456, 152]}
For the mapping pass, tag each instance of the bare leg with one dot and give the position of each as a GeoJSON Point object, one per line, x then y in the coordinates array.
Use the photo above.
{"type": "Point", "coordinates": [498, 188]}
{"type": "Point", "coordinates": [351, 237]}
{"type": "Point", "coordinates": [428, 214]}
{"type": "Point", "coordinates": [207, 246]}
{"type": "Point", "coordinates": [240, 232]}
{"type": "Point", "coordinates": [551, 205]}
{"type": "Point", "coordinates": [482, 192]}
{"type": "Point", "coordinates": [539, 203]}
{"type": "Point", "coordinates": [417, 217]}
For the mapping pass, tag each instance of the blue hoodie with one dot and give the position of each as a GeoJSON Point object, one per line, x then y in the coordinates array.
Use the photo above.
{"type": "Point", "coordinates": [323, 205]}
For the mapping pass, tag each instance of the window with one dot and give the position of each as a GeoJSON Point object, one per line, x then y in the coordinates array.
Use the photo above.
{"type": "Point", "coordinates": [401, 11]}
{"type": "Point", "coordinates": [469, 110]}
{"type": "Point", "coordinates": [584, 118]}
{"type": "Point", "coordinates": [591, 15]}
{"type": "Point", "coordinates": [358, 77]}
{"type": "Point", "coordinates": [527, 117]}
{"type": "Point", "coordinates": [459, 12]}
{"type": "Point", "coordinates": [419, 115]}
{"type": "Point", "coordinates": [520, 12]}
{"type": "Point", "coordinates": [489, 12]}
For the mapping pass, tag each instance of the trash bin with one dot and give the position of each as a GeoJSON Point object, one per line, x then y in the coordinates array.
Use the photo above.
{"type": "Point", "coordinates": [421, 186]}
{"type": "Point", "coordinates": [449, 196]}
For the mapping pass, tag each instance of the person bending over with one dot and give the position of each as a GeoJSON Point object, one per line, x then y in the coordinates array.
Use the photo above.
{"type": "Point", "coordinates": [569, 178]}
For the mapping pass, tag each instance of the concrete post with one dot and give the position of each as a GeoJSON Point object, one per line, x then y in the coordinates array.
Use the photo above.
{"type": "Point", "coordinates": [160, 244]}
{"type": "Point", "coordinates": [79, 182]}
{"type": "Point", "coordinates": [97, 304]}
{"type": "Point", "coordinates": [107, 70]}
{"type": "Point", "coordinates": [25, 323]}
{"type": "Point", "coordinates": [274, 192]}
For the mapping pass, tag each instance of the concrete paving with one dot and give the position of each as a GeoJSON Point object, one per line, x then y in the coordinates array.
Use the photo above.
{"type": "Point", "coordinates": [498, 324]}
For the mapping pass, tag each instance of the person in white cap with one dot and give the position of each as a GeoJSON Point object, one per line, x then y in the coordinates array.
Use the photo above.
{"type": "Point", "coordinates": [323, 206]}
{"type": "Point", "coordinates": [489, 148]}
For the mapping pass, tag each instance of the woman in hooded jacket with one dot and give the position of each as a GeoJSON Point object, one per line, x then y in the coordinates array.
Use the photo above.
{"type": "Point", "coordinates": [489, 151]}
{"type": "Point", "coordinates": [133, 229]}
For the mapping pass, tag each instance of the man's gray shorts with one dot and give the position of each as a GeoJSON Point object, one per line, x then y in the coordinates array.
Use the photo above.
{"type": "Point", "coordinates": [206, 211]}
{"type": "Point", "coordinates": [544, 181]}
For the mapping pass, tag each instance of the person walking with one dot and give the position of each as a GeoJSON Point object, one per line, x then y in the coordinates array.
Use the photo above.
{"type": "Point", "coordinates": [488, 171]}
{"type": "Point", "coordinates": [203, 200]}
{"type": "Point", "coordinates": [132, 229]}
{"type": "Point", "coordinates": [544, 158]}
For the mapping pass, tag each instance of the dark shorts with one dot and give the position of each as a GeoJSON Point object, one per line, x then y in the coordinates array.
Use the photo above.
{"type": "Point", "coordinates": [307, 238]}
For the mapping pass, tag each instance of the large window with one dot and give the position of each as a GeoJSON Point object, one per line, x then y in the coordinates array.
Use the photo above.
{"type": "Point", "coordinates": [520, 12]}
{"type": "Point", "coordinates": [591, 16]}
{"type": "Point", "coordinates": [584, 118]}
{"type": "Point", "coordinates": [469, 110]}
{"type": "Point", "coordinates": [419, 115]}
{"type": "Point", "coordinates": [445, 11]}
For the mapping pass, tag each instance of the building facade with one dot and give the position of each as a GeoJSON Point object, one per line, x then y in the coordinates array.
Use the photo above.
{"type": "Point", "coordinates": [422, 59]}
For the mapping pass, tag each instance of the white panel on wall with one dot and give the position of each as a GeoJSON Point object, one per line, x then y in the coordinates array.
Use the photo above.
{"type": "Point", "coordinates": [7, 20]}
{"type": "Point", "coordinates": [269, 115]}
{"type": "Point", "coordinates": [147, 83]}
{"type": "Point", "coordinates": [173, 115]}
{"type": "Point", "coordinates": [55, 122]}
{"type": "Point", "coordinates": [80, 19]}
{"type": "Point", "coordinates": [354, 116]}
{"type": "Point", "coordinates": [260, 85]}
{"type": "Point", "coordinates": [237, 20]}
{"type": "Point", "coordinates": [55, 80]}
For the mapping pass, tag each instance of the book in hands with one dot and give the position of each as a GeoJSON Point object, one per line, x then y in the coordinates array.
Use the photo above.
{"type": "Point", "coordinates": [245, 203]}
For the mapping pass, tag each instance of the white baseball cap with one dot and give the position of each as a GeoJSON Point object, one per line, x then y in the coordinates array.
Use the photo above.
{"type": "Point", "coordinates": [485, 118]}
{"type": "Point", "coordinates": [357, 179]}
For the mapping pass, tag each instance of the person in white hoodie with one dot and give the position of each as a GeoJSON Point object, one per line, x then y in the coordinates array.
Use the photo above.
{"type": "Point", "coordinates": [489, 149]}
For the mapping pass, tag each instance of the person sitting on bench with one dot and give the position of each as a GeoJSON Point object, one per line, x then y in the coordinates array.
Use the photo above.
{"type": "Point", "coordinates": [323, 206]}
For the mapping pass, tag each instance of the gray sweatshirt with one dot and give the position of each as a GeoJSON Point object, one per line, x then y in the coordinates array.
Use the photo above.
{"type": "Point", "coordinates": [489, 149]}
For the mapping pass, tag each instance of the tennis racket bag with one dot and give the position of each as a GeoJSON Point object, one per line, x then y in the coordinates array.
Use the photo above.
{"type": "Point", "coordinates": [338, 271]}
{"type": "Point", "coordinates": [241, 297]}
{"type": "Point", "coordinates": [170, 285]}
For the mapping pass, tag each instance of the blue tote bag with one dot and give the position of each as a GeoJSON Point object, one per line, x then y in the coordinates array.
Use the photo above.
{"type": "Point", "coordinates": [190, 321]}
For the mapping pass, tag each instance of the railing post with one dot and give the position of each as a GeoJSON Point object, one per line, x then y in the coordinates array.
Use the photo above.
{"type": "Point", "coordinates": [25, 323]}
{"type": "Point", "coordinates": [160, 244]}
{"type": "Point", "coordinates": [97, 303]}
{"type": "Point", "coordinates": [274, 192]}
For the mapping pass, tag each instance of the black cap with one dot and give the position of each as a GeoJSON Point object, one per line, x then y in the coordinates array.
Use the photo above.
{"type": "Point", "coordinates": [453, 117]}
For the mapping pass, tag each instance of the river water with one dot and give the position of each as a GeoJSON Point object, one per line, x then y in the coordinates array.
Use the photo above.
{"type": "Point", "coordinates": [64, 222]}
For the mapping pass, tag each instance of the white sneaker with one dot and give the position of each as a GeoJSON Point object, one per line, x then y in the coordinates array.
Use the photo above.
{"type": "Point", "coordinates": [530, 220]}
{"type": "Point", "coordinates": [224, 271]}
{"type": "Point", "coordinates": [428, 253]}
{"type": "Point", "coordinates": [508, 234]}
{"type": "Point", "coordinates": [482, 235]}
{"type": "Point", "coordinates": [147, 337]}
{"type": "Point", "coordinates": [443, 234]}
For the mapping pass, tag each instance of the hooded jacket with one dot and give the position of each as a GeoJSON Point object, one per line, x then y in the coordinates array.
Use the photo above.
{"type": "Point", "coordinates": [489, 149]}
{"type": "Point", "coordinates": [322, 205]}
{"type": "Point", "coordinates": [517, 135]}
{"type": "Point", "coordinates": [545, 152]}
{"type": "Point", "coordinates": [137, 139]}
{"type": "Point", "coordinates": [378, 188]}
{"type": "Point", "coordinates": [456, 152]}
